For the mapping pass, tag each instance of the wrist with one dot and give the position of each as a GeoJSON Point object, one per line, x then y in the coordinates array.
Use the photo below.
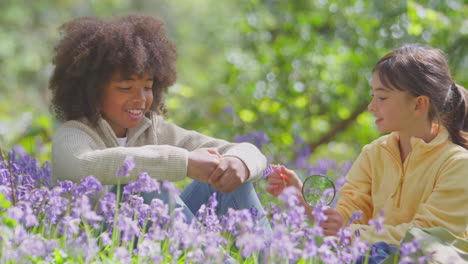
{"type": "Point", "coordinates": [246, 174]}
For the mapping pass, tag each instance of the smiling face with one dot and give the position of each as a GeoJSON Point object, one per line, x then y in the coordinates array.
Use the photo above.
{"type": "Point", "coordinates": [392, 108]}
{"type": "Point", "coordinates": [125, 100]}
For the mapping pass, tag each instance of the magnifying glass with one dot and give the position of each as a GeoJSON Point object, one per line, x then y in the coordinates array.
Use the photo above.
{"type": "Point", "coordinates": [316, 187]}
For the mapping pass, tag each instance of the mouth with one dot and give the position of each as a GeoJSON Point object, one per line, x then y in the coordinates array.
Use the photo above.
{"type": "Point", "coordinates": [378, 120]}
{"type": "Point", "coordinates": [135, 113]}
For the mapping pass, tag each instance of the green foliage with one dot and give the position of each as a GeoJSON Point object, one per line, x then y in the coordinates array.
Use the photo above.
{"type": "Point", "coordinates": [288, 68]}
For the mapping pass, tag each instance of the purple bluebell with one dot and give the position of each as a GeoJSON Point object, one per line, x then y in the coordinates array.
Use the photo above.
{"type": "Point", "coordinates": [56, 207]}
{"type": "Point", "coordinates": [66, 186]}
{"type": "Point", "coordinates": [159, 212]}
{"type": "Point", "coordinates": [81, 207]}
{"type": "Point", "coordinates": [378, 223]}
{"type": "Point", "coordinates": [122, 256]}
{"type": "Point", "coordinates": [258, 138]}
{"type": "Point", "coordinates": [106, 239]}
{"type": "Point", "coordinates": [15, 213]}
{"type": "Point", "coordinates": [406, 260]}
{"type": "Point", "coordinates": [282, 245]}
{"type": "Point", "coordinates": [355, 216]}
{"type": "Point", "coordinates": [127, 166]}
{"type": "Point", "coordinates": [322, 166]}
{"type": "Point", "coordinates": [229, 110]}
{"type": "Point", "coordinates": [70, 226]}
{"type": "Point", "coordinates": [207, 214]}
{"type": "Point", "coordinates": [249, 243]}
{"type": "Point", "coordinates": [302, 153]}
{"type": "Point", "coordinates": [309, 249]}
{"type": "Point", "coordinates": [195, 256]}
{"type": "Point", "coordinates": [319, 212]}
{"type": "Point", "coordinates": [340, 182]}
{"type": "Point", "coordinates": [128, 227]}
{"type": "Point", "coordinates": [150, 251]}
{"type": "Point", "coordinates": [409, 248]}
{"type": "Point", "coordinates": [29, 217]}
{"type": "Point", "coordinates": [327, 254]}
{"type": "Point", "coordinates": [145, 183]}
{"type": "Point", "coordinates": [88, 185]}
{"type": "Point", "coordinates": [289, 196]}
{"type": "Point", "coordinates": [107, 205]}
{"type": "Point", "coordinates": [33, 246]}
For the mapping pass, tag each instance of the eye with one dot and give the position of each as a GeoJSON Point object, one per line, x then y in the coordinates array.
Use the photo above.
{"type": "Point", "coordinates": [382, 98]}
{"type": "Point", "coordinates": [149, 88]}
{"type": "Point", "coordinates": [124, 88]}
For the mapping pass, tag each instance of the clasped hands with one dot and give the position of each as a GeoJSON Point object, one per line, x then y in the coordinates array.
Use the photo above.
{"type": "Point", "coordinates": [224, 174]}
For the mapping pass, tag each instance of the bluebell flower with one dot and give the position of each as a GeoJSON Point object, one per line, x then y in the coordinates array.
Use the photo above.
{"type": "Point", "coordinates": [249, 243]}
{"type": "Point", "coordinates": [409, 248]}
{"type": "Point", "coordinates": [289, 196]}
{"type": "Point", "coordinates": [355, 216]}
{"type": "Point", "coordinates": [121, 255]}
{"type": "Point", "coordinates": [106, 239]}
{"type": "Point", "coordinates": [33, 246]}
{"type": "Point", "coordinates": [56, 207]}
{"type": "Point", "coordinates": [66, 186]}
{"type": "Point", "coordinates": [81, 207]}
{"type": "Point", "coordinates": [284, 246]}
{"type": "Point", "coordinates": [127, 166]}
{"type": "Point", "coordinates": [89, 185]}
{"type": "Point", "coordinates": [258, 138]}
{"type": "Point", "coordinates": [150, 250]}
{"type": "Point", "coordinates": [378, 223]}
{"type": "Point", "coordinates": [70, 226]}
{"type": "Point", "coordinates": [229, 110]}
{"type": "Point", "coordinates": [159, 213]}
{"type": "Point", "coordinates": [145, 183]}
{"type": "Point", "coordinates": [318, 212]}
{"type": "Point", "coordinates": [195, 256]}
{"type": "Point", "coordinates": [107, 205]}
{"type": "Point", "coordinates": [15, 213]}
{"type": "Point", "coordinates": [128, 227]}
{"type": "Point", "coordinates": [29, 217]}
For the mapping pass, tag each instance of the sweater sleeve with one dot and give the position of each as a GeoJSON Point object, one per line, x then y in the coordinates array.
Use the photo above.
{"type": "Point", "coordinates": [446, 207]}
{"type": "Point", "coordinates": [76, 154]}
{"type": "Point", "coordinates": [171, 134]}
{"type": "Point", "coordinates": [355, 195]}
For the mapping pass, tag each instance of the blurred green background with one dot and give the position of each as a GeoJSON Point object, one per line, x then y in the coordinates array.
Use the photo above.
{"type": "Point", "coordinates": [293, 75]}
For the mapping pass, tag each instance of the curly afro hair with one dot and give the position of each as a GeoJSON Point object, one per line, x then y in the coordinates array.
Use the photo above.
{"type": "Point", "coordinates": [91, 50]}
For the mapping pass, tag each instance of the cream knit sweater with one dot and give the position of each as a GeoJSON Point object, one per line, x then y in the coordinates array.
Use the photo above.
{"type": "Point", "coordinates": [159, 148]}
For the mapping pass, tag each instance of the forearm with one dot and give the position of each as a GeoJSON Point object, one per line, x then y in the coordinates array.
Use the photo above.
{"type": "Point", "coordinates": [161, 162]}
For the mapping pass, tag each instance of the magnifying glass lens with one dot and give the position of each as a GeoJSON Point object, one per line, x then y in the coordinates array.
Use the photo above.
{"type": "Point", "coordinates": [318, 187]}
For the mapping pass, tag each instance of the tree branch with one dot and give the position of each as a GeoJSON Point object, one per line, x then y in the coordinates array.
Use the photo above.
{"type": "Point", "coordinates": [339, 127]}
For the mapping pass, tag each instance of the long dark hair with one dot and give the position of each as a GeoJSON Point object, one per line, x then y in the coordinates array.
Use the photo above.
{"type": "Point", "coordinates": [423, 70]}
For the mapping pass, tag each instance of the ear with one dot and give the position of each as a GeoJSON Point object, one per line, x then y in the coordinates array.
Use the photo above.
{"type": "Point", "coordinates": [421, 106]}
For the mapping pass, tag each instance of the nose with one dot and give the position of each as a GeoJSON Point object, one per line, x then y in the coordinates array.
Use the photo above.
{"type": "Point", "coordinates": [140, 94]}
{"type": "Point", "coordinates": [371, 105]}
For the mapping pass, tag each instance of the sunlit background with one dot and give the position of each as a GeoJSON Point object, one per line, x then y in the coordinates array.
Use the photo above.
{"type": "Point", "coordinates": [290, 76]}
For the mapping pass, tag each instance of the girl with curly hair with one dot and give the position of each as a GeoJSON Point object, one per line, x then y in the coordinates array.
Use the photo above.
{"type": "Point", "coordinates": [108, 88]}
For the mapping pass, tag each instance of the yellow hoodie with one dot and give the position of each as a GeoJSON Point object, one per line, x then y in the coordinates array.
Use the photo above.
{"type": "Point", "coordinates": [429, 189]}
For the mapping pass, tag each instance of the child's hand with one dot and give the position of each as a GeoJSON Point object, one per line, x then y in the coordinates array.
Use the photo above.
{"type": "Point", "coordinates": [230, 174]}
{"type": "Point", "coordinates": [280, 178]}
{"type": "Point", "coordinates": [201, 163]}
{"type": "Point", "coordinates": [333, 224]}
